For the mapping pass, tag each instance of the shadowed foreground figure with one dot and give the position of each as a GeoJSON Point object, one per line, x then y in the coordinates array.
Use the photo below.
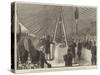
{"type": "Point", "coordinates": [22, 52]}
{"type": "Point", "coordinates": [79, 49]}
{"type": "Point", "coordinates": [68, 58]}
{"type": "Point", "coordinates": [93, 51]}
{"type": "Point", "coordinates": [72, 49]}
{"type": "Point", "coordinates": [43, 60]}
{"type": "Point", "coordinates": [37, 57]}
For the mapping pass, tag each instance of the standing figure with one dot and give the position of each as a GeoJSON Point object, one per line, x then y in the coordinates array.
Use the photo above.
{"type": "Point", "coordinates": [93, 51]}
{"type": "Point", "coordinates": [68, 58]}
{"type": "Point", "coordinates": [22, 53]}
{"type": "Point", "coordinates": [42, 58]}
{"type": "Point", "coordinates": [79, 49]}
{"type": "Point", "coordinates": [47, 47]}
{"type": "Point", "coordinates": [73, 45]}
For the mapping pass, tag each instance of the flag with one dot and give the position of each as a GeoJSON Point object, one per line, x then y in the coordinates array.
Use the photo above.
{"type": "Point", "coordinates": [76, 13]}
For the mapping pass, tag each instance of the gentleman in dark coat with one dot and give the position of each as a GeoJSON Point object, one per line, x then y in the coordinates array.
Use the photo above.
{"type": "Point", "coordinates": [43, 60]}
{"type": "Point", "coordinates": [65, 59]}
{"type": "Point", "coordinates": [47, 47]}
{"type": "Point", "coordinates": [68, 58]}
{"type": "Point", "coordinates": [37, 55]}
{"type": "Point", "coordinates": [72, 48]}
{"type": "Point", "coordinates": [93, 51]}
{"type": "Point", "coordinates": [34, 53]}
{"type": "Point", "coordinates": [79, 49]}
{"type": "Point", "coordinates": [47, 43]}
{"type": "Point", "coordinates": [22, 52]}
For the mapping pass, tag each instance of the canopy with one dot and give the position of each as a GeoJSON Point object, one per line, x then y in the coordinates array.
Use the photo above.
{"type": "Point", "coordinates": [41, 19]}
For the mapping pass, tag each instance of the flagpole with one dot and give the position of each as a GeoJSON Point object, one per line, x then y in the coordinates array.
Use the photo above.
{"type": "Point", "coordinates": [76, 19]}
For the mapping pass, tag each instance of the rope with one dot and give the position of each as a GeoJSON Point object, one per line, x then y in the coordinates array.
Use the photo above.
{"type": "Point", "coordinates": [56, 29]}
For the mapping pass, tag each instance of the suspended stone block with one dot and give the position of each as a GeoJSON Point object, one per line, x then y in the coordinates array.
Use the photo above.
{"type": "Point", "coordinates": [85, 57]}
{"type": "Point", "coordinates": [59, 53]}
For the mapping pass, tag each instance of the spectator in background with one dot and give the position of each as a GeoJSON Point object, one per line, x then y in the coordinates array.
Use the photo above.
{"type": "Point", "coordinates": [73, 45]}
{"type": "Point", "coordinates": [68, 58]}
{"type": "Point", "coordinates": [93, 51]}
{"type": "Point", "coordinates": [42, 58]}
{"type": "Point", "coordinates": [79, 49]}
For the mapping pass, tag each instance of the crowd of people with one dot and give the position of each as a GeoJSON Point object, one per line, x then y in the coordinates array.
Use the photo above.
{"type": "Point", "coordinates": [44, 54]}
{"type": "Point", "coordinates": [74, 51]}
